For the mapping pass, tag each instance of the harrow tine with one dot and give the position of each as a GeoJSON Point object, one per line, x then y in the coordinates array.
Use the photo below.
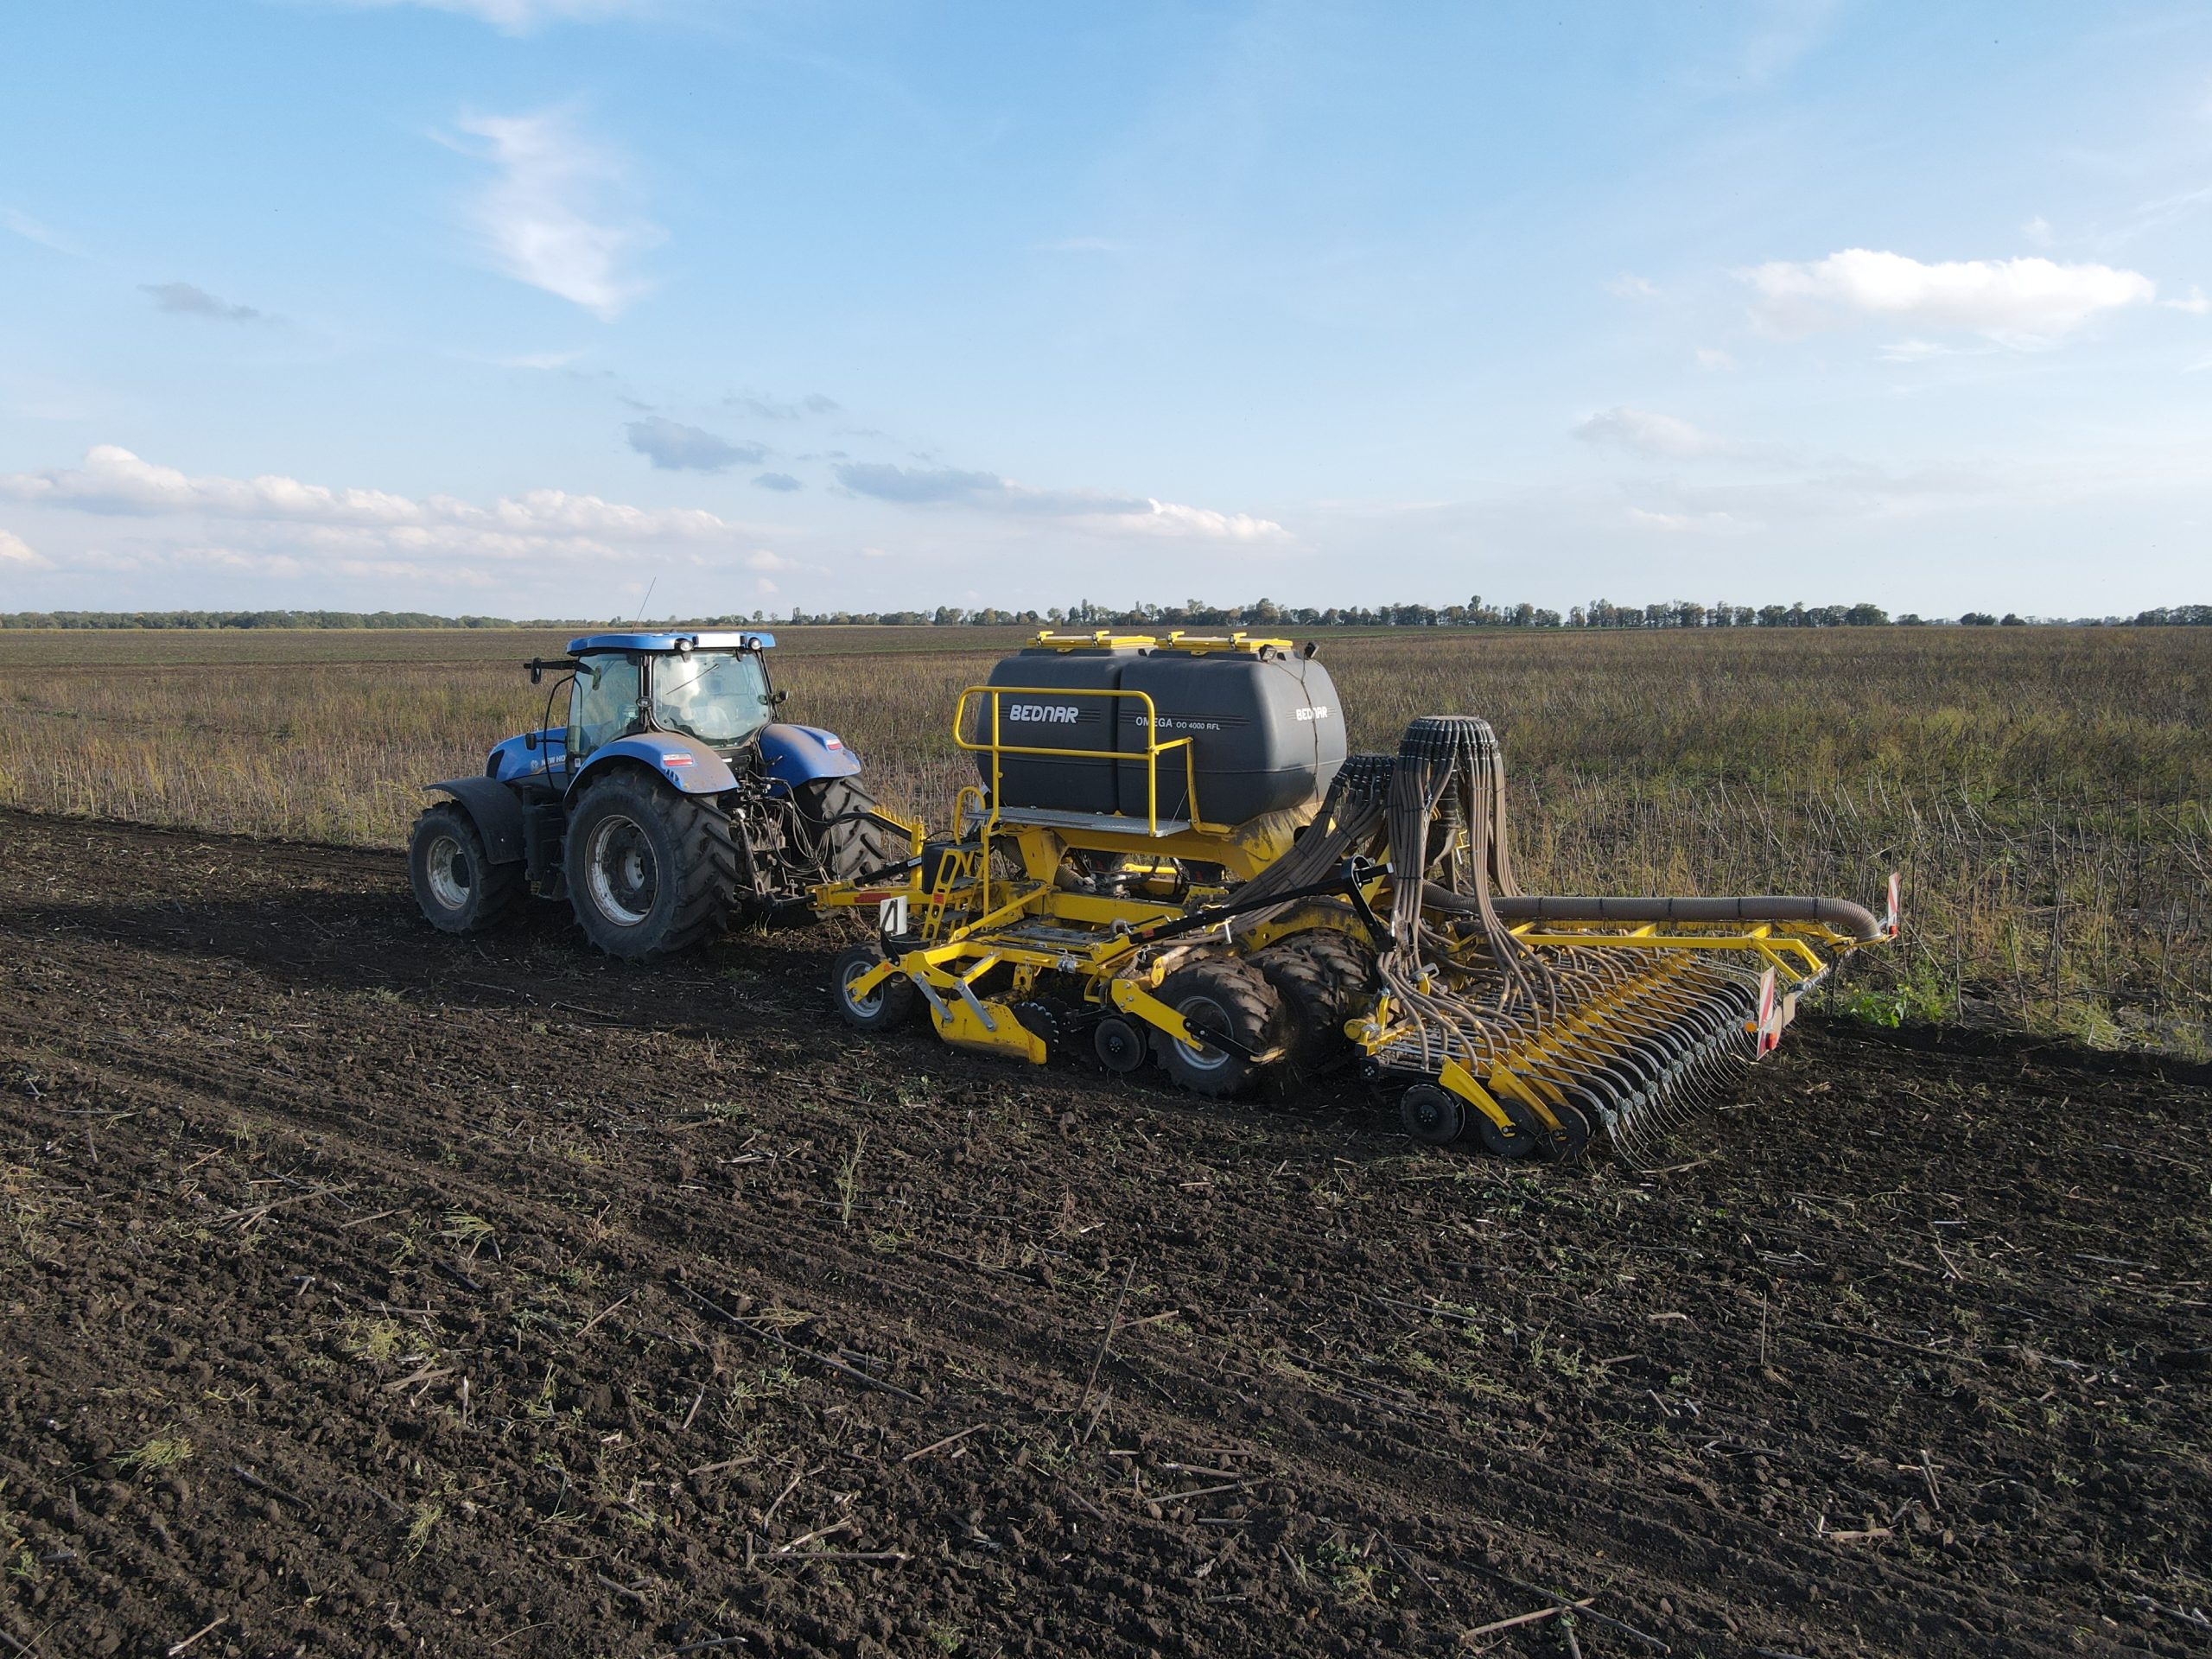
{"type": "Point", "coordinates": [1645, 1040]}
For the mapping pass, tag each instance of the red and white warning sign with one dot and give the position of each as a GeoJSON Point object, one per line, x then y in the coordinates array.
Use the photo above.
{"type": "Point", "coordinates": [1769, 1022]}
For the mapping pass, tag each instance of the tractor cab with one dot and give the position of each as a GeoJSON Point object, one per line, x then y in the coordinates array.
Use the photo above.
{"type": "Point", "coordinates": [708, 690]}
{"type": "Point", "coordinates": [712, 688]}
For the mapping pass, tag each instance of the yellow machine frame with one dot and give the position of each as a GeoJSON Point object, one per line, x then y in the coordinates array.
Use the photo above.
{"type": "Point", "coordinates": [962, 914]}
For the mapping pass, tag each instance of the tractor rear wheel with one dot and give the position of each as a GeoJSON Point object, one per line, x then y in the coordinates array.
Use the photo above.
{"type": "Point", "coordinates": [1230, 997]}
{"type": "Point", "coordinates": [851, 840]}
{"type": "Point", "coordinates": [459, 889]}
{"type": "Point", "coordinates": [650, 872]}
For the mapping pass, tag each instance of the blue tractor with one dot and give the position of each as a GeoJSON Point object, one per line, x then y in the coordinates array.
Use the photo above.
{"type": "Point", "coordinates": [670, 804]}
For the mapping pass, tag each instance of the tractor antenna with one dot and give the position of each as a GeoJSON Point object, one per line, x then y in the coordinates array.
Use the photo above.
{"type": "Point", "coordinates": [647, 601]}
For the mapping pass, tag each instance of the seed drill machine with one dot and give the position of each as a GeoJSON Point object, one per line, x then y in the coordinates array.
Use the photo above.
{"type": "Point", "coordinates": [1169, 857]}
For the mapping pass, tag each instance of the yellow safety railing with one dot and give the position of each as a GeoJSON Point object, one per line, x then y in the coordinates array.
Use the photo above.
{"type": "Point", "coordinates": [997, 748]}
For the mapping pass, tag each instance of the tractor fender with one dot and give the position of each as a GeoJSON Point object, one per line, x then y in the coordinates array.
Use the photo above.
{"type": "Point", "coordinates": [803, 754]}
{"type": "Point", "coordinates": [495, 811]}
{"type": "Point", "coordinates": [688, 766]}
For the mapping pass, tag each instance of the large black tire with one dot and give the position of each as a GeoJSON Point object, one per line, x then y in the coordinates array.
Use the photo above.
{"type": "Point", "coordinates": [851, 840]}
{"type": "Point", "coordinates": [1321, 977]}
{"type": "Point", "coordinates": [649, 871]}
{"type": "Point", "coordinates": [459, 889]}
{"type": "Point", "coordinates": [1231, 996]}
{"type": "Point", "coordinates": [1348, 964]}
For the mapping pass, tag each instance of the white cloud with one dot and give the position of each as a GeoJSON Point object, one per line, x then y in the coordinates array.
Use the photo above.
{"type": "Point", "coordinates": [673, 447]}
{"type": "Point", "coordinates": [16, 554]}
{"type": "Point", "coordinates": [1643, 518]}
{"type": "Point", "coordinates": [777, 408]}
{"type": "Point", "coordinates": [184, 300]}
{"type": "Point", "coordinates": [1629, 287]}
{"type": "Point", "coordinates": [31, 231]}
{"type": "Point", "coordinates": [545, 362]}
{"type": "Point", "coordinates": [1169, 519]}
{"type": "Point", "coordinates": [1712, 361]}
{"type": "Point", "coordinates": [2197, 305]}
{"type": "Point", "coordinates": [346, 523]}
{"type": "Point", "coordinates": [762, 559]}
{"type": "Point", "coordinates": [1916, 351]}
{"type": "Point", "coordinates": [1131, 515]}
{"type": "Point", "coordinates": [522, 17]}
{"type": "Point", "coordinates": [1654, 434]}
{"type": "Point", "coordinates": [1784, 31]}
{"type": "Point", "coordinates": [2014, 302]}
{"type": "Point", "coordinates": [2038, 230]}
{"type": "Point", "coordinates": [551, 219]}
{"type": "Point", "coordinates": [2165, 210]}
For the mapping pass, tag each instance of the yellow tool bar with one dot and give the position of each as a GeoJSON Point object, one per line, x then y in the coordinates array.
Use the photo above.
{"type": "Point", "coordinates": [1775, 947]}
{"type": "Point", "coordinates": [1196, 644]}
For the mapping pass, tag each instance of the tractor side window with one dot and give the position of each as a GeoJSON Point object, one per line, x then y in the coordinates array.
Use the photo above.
{"type": "Point", "coordinates": [605, 705]}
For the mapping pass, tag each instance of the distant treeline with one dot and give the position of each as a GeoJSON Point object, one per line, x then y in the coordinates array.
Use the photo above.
{"type": "Point", "coordinates": [1264, 613]}
{"type": "Point", "coordinates": [250, 619]}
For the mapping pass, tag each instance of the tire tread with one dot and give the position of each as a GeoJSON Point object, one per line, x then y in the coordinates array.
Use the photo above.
{"type": "Point", "coordinates": [705, 876]}
{"type": "Point", "coordinates": [1257, 1016]}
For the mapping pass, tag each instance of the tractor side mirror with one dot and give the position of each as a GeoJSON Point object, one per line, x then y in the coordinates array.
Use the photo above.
{"type": "Point", "coordinates": [777, 700]}
{"type": "Point", "coordinates": [536, 672]}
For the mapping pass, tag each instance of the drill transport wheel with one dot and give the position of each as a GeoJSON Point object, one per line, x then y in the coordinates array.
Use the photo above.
{"type": "Point", "coordinates": [1230, 996]}
{"type": "Point", "coordinates": [1433, 1115]}
{"type": "Point", "coordinates": [884, 1008]}
{"type": "Point", "coordinates": [1320, 977]}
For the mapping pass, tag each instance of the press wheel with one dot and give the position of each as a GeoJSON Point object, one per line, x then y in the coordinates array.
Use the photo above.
{"type": "Point", "coordinates": [1433, 1115]}
{"type": "Point", "coordinates": [1521, 1140]}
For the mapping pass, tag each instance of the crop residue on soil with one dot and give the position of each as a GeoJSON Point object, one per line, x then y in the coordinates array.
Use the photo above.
{"type": "Point", "coordinates": [369, 1292]}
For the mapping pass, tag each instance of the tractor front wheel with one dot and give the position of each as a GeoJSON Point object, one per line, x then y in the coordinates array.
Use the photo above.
{"type": "Point", "coordinates": [650, 872]}
{"type": "Point", "coordinates": [852, 841]}
{"type": "Point", "coordinates": [459, 889]}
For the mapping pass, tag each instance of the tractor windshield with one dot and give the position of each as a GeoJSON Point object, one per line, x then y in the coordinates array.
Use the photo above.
{"type": "Point", "coordinates": [718, 696]}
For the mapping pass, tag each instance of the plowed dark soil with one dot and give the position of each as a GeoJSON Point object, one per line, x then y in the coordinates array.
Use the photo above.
{"type": "Point", "coordinates": [365, 1291]}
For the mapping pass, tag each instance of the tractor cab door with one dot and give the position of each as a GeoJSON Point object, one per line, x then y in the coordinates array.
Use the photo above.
{"type": "Point", "coordinates": [604, 704]}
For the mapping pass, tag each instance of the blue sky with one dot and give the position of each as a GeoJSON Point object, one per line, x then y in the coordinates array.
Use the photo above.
{"type": "Point", "coordinates": [519, 306]}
